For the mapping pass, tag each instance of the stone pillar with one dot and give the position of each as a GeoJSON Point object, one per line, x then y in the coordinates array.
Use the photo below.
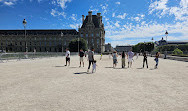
{"type": "Point", "coordinates": [90, 16]}
{"type": "Point", "coordinates": [83, 17]}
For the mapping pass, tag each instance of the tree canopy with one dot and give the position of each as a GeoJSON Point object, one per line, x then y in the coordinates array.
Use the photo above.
{"type": "Point", "coordinates": [73, 45]}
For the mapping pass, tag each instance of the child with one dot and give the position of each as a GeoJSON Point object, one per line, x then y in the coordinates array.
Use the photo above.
{"type": "Point", "coordinates": [94, 66]}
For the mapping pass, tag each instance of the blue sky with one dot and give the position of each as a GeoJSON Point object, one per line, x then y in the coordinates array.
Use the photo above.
{"type": "Point", "coordinates": [126, 21]}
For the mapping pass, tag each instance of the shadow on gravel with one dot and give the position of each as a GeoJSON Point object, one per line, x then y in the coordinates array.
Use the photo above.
{"type": "Point", "coordinates": [59, 66]}
{"type": "Point", "coordinates": [108, 67]}
{"type": "Point", "coordinates": [120, 68]}
{"type": "Point", "coordinates": [140, 68]}
{"type": "Point", "coordinates": [73, 67]}
{"type": "Point", "coordinates": [152, 69]}
{"type": "Point", "coordinates": [81, 73]}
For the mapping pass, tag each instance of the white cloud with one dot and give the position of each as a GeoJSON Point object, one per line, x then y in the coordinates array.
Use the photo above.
{"type": "Point", "coordinates": [138, 18]}
{"type": "Point", "coordinates": [104, 8]}
{"type": "Point", "coordinates": [122, 16]}
{"type": "Point", "coordinates": [56, 13]}
{"type": "Point", "coordinates": [61, 3]}
{"type": "Point", "coordinates": [8, 2]}
{"type": "Point", "coordinates": [117, 24]}
{"type": "Point", "coordinates": [160, 7]}
{"type": "Point", "coordinates": [73, 17]}
{"type": "Point", "coordinates": [147, 30]}
{"type": "Point", "coordinates": [74, 26]}
{"type": "Point", "coordinates": [113, 15]}
{"type": "Point", "coordinates": [118, 3]}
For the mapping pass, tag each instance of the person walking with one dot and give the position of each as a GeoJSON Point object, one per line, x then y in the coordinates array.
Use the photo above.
{"type": "Point", "coordinates": [123, 59]}
{"type": "Point", "coordinates": [145, 59]}
{"type": "Point", "coordinates": [130, 58]}
{"type": "Point", "coordinates": [81, 54]}
{"type": "Point", "coordinates": [67, 55]}
{"type": "Point", "coordinates": [114, 55]}
{"type": "Point", "coordinates": [94, 66]}
{"type": "Point", "coordinates": [90, 58]}
{"type": "Point", "coordinates": [157, 59]}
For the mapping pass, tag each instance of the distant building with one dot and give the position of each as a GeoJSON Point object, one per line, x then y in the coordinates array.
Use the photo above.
{"type": "Point", "coordinates": [164, 42]}
{"type": "Point", "coordinates": [92, 30]}
{"type": "Point", "coordinates": [108, 48]}
{"type": "Point", "coordinates": [42, 40]}
{"type": "Point", "coordinates": [55, 40]}
{"type": "Point", "coordinates": [123, 48]}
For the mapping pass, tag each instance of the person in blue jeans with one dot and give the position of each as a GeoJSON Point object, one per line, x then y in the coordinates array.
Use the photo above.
{"type": "Point", "coordinates": [157, 59]}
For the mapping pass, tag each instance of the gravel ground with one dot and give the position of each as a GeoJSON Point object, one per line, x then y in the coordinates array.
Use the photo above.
{"type": "Point", "coordinates": [47, 85]}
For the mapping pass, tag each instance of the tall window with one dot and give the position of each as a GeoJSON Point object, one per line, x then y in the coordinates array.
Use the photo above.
{"type": "Point", "coordinates": [92, 35]}
{"type": "Point", "coordinates": [98, 41]}
{"type": "Point", "coordinates": [86, 35]}
{"type": "Point", "coordinates": [98, 34]}
{"type": "Point", "coordinates": [81, 35]}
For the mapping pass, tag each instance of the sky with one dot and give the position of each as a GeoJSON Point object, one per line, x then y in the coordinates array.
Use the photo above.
{"type": "Point", "coordinates": [127, 22]}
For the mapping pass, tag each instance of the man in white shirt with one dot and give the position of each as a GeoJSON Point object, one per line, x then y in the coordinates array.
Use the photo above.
{"type": "Point", "coordinates": [130, 58]}
{"type": "Point", "coordinates": [67, 55]}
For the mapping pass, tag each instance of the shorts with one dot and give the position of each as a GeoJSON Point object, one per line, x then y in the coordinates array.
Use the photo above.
{"type": "Point", "coordinates": [81, 59]}
{"type": "Point", "coordinates": [67, 59]}
{"type": "Point", "coordinates": [114, 61]}
{"type": "Point", "coordinates": [130, 59]}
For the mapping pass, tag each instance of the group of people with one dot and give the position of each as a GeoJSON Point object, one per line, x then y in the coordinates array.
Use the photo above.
{"type": "Point", "coordinates": [92, 61]}
{"type": "Point", "coordinates": [82, 54]}
{"type": "Point", "coordinates": [130, 56]}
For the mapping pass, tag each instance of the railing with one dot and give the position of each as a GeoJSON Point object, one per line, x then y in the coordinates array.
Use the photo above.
{"type": "Point", "coordinates": [5, 57]}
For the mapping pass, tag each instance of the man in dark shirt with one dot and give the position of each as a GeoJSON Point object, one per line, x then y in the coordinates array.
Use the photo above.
{"type": "Point", "coordinates": [81, 54]}
{"type": "Point", "coordinates": [145, 59]}
{"type": "Point", "coordinates": [90, 58]}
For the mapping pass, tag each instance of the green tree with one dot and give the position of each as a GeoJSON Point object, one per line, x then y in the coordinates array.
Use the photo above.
{"type": "Point", "coordinates": [177, 52]}
{"type": "Point", "coordinates": [73, 45]}
{"type": "Point", "coordinates": [141, 47]}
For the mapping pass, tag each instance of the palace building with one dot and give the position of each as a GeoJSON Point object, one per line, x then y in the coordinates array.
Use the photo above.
{"type": "Point", "coordinates": [55, 40]}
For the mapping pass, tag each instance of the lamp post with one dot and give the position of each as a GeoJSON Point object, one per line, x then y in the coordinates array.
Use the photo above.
{"type": "Point", "coordinates": [62, 41]}
{"type": "Point", "coordinates": [166, 33]}
{"type": "Point", "coordinates": [78, 40]}
{"type": "Point", "coordinates": [26, 50]}
{"type": "Point", "coordinates": [78, 44]}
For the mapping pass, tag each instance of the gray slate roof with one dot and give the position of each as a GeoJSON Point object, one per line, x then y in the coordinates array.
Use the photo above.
{"type": "Point", "coordinates": [95, 21]}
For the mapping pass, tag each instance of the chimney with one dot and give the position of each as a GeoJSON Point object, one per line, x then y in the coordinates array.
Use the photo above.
{"type": "Point", "coordinates": [98, 14]}
{"type": "Point", "coordinates": [90, 16]}
{"type": "Point", "coordinates": [83, 17]}
{"type": "Point", "coordinates": [99, 18]}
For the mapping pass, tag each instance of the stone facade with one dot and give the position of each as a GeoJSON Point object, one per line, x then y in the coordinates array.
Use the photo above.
{"type": "Point", "coordinates": [92, 30]}
{"type": "Point", "coordinates": [41, 40]}
{"type": "Point", "coordinates": [56, 40]}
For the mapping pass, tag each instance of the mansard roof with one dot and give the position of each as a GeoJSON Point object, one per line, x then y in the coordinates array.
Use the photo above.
{"type": "Point", "coordinates": [40, 31]}
{"type": "Point", "coordinates": [95, 21]}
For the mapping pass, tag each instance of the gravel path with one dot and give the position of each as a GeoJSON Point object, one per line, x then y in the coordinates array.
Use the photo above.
{"type": "Point", "coordinates": [46, 85]}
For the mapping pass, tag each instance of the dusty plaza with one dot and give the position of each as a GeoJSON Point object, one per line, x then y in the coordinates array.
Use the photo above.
{"type": "Point", "coordinates": [47, 85]}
